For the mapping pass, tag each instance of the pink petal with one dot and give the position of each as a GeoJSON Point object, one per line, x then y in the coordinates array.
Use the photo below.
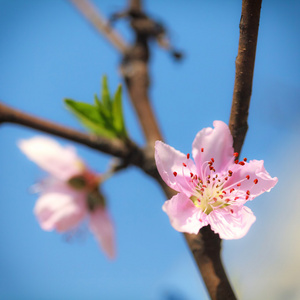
{"type": "Point", "coordinates": [231, 222]}
{"type": "Point", "coordinates": [61, 162]}
{"type": "Point", "coordinates": [169, 160]}
{"type": "Point", "coordinates": [216, 143]}
{"type": "Point", "coordinates": [255, 169]}
{"type": "Point", "coordinates": [103, 229]}
{"type": "Point", "coordinates": [183, 214]}
{"type": "Point", "coordinates": [60, 211]}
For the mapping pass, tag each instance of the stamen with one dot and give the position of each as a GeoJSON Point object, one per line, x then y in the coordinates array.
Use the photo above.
{"type": "Point", "coordinates": [236, 162]}
{"type": "Point", "coordinates": [231, 190]}
{"type": "Point", "coordinates": [235, 154]}
{"type": "Point", "coordinates": [231, 211]}
{"type": "Point", "coordinates": [255, 181]}
{"type": "Point", "coordinates": [212, 160]}
{"type": "Point", "coordinates": [248, 192]}
{"type": "Point", "coordinates": [184, 164]}
{"type": "Point", "coordinates": [245, 159]}
{"type": "Point", "coordinates": [248, 177]}
{"type": "Point", "coordinates": [230, 173]}
{"type": "Point", "coordinates": [239, 184]}
{"type": "Point", "coordinates": [241, 163]}
{"type": "Point", "coordinates": [202, 149]}
{"type": "Point", "coordinates": [188, 156]}
{"type": "Point", "coordinates": [175, 174]}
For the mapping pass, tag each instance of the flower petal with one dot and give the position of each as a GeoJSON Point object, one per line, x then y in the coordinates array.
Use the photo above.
{"type": "Point", "coordinates": [50, 156]}
{"type": "Point", "coordinates": [255, 170]}
{"type": "Point", "coordinates": [103, 229]}
{"type": "Point", "coordinates": [216, 143]}
{"type": "Point", "coordinates": [169, 160]}
{"type": "Point", "coordinates": [183, 214]}
{"type": "Point", "coordinates": [60, 211]}
{"type": "Point", "coordinates": [231, 222]}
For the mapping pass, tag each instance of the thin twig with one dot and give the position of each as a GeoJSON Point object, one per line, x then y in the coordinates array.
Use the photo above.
{"type": "Point", "coordinates": [245, 60]}
{"type": "Point", "coordinates": [94, 16]}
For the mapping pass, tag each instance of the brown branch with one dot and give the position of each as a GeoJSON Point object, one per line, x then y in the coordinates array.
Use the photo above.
{"type": "Point", "coordinates": [134, 69]}
{"type": "Point", "coordinates": [245, 60]}
{"type": "Point", "coordinates": [94, 16]}
{"type": "Point", "coordinates": [113, 147]}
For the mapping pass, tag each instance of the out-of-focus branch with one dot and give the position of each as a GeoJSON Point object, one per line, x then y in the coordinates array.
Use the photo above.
{"type": "Point", "coordinates": [245, 60]}
{"type": "Point", "coordinates": [94, 16]}
{"type": "Point", "coordinates": [134, 69]}
{"type": "Point", "coordinates": [108, 146]}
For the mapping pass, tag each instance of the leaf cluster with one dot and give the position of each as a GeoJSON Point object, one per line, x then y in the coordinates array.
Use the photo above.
{"type": "Point", "coordinates": [105, 116]}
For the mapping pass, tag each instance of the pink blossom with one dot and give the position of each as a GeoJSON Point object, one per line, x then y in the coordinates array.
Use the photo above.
{"type": "Point", "coordinates": [214, 187]}
{"type": "Point", "coordinates": [70, 194]}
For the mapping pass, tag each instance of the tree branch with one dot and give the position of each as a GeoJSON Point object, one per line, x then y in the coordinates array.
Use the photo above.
{"type": "Point", "coordinates": [134, 69]}
{"type": "Point", "coordinates": [245, 60]}
{"type": "Point", "coordinates": [94, 16]}
{"type": "Point", "coordinates": [113, 147]}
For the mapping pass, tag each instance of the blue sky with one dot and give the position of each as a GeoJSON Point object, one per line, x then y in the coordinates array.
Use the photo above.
{"type": "Point", "coordinates": [48, 52]}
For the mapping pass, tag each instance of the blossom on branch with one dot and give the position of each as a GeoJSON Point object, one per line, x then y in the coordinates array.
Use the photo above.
{"type": "Point", "coordinates": [70, 194]}
{"type": "Point", "coordinates": [214, 187]}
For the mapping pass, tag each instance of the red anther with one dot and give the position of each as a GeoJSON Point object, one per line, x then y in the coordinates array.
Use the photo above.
{"type": "Point", "coordinates": [247, 197]}
{"type": "Point", "coordinates": [235, 154]}
{"type": "Point", "coordinates": [241, 163]}
{"type": "Point", "coordinates": [248, 192]}
{"type": "Point", "coordinates": [175, 174]}
{"type": "Point", "coordinates": [204, 186]}
{"type": "Point", "coordinates": [200, 220]}
{"type": "Point", "coordinates": [184, 164]}
{"type": "Point", "coordinates": [230, 173]}
{"type": "Point", "coordinates": [211, 168]}
{"type": "Point", "coordinates": [212, 160]}
{"type": "Point", "coordinates": [236, 161]}
{"type": "Point", "coordinates": [215, 199]}
{"type": "Point", "coordinates": [245, 159]}
{"type": "Point", "coordinates": [188, 156]}
{"type": "Point", "coordinates": [221, 196]}
{"type": "Point", "coordinates": [223, 192]}
{"type": "Point", "coordinates": [236, 198]}
{"type": "Point", "coordinates": [231, 211]}
{"type": "Point", "coordinates": [239, 184]}
{"type": "Point", "coordinates": [195, 177]}
{"type": "Point", "coordinates": [255, 181]}
{"type": "Point", "coordinates": [226, 178]}
{"type": "Point", "coordinates": [227, 200]}
{"type": "Point", "coordinates": [231, 190]}
{"type": "Point", "coordinates": [248, 177]}
{"type": "Point", "coordinates": [198, 200]}
{"type": "Point", "coordinates": [202, 189]}
{"type": "Point", "coordinates": [202, 149]}
{"type": "Point", "coordinates": [191, 174]}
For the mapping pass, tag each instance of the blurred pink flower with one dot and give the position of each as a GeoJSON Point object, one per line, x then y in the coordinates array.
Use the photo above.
{"type": "Point", "coordinates": [214, 188]}
{"type": "Point", "coordinates": [70, 194]}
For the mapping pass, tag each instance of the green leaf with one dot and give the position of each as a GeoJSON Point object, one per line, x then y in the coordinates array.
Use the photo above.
{"type": "Point", "coordinates": [117, 112]}
{"type": "Point", "coordinates": [89, 116]}
{"type": "Point", "coordinates": [105, 96]}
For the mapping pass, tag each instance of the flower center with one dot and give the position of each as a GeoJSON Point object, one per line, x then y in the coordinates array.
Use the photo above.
{"type": "Point", "coordinates": [215, 190]}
